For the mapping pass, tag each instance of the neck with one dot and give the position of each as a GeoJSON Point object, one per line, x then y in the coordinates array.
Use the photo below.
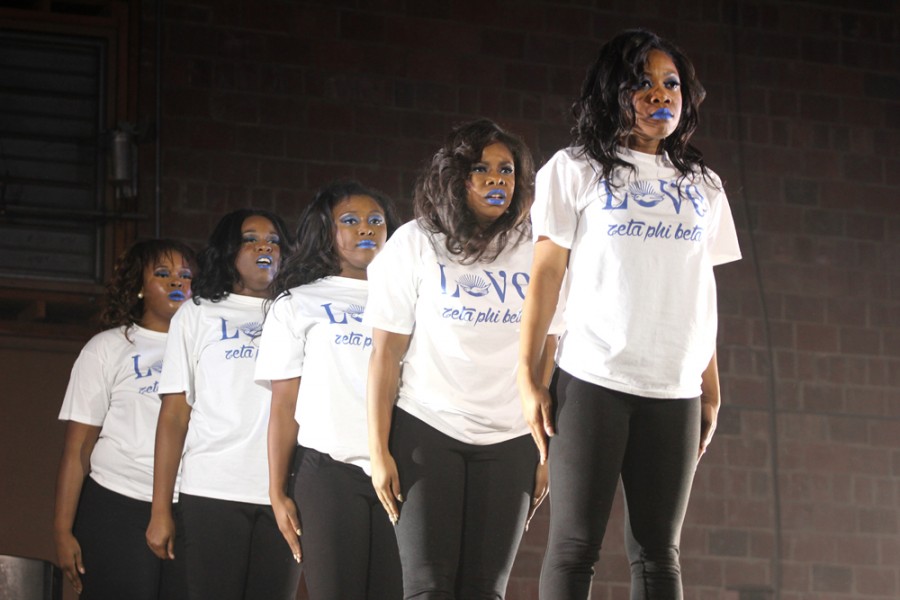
{"type": "Point", "coordinates": [253, 293]}
{"type": "Point", "coordinates": [353, 273]}
{"type": "Point", "coordinates": [154, 323]}
{"type": "Point", "coordinates": [637, 144]}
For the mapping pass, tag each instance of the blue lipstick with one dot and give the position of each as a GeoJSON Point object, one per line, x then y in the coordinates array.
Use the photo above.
{"type": "Point", "coordinates": [264, 261]}
{"type": "Point", "coordinates": [177, 296]}
{"type": "Point", "coordinates": [369, 244]}
{"type": "Point", "coordinates": [496, 197]}
{"type": "Point", "coordinates": [662, 114]}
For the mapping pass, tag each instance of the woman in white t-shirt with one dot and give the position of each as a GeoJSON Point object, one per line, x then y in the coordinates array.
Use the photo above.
{"type": "Point", "coordinates": [216, 415]}
{"type": "Point", "coordinates": [315, 353]}
{"type": "Point", "coordinates": [453, 464]}
{"type": "Point", "coordinates": [105, 480]}
{"type": "Point", "coordinates": [635, 221]}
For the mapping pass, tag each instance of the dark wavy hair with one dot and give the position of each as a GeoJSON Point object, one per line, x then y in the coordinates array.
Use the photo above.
{"type": "Point", "coordinates": [316, 255]}
{"type": "Point", "coordinates": [440, 200]}
{"type": "Point", "coordinates": [604, 113]}
{"type": "Point", "coordinates": [123, 307]}
{"type": "Point", "coordinates": [218, 275]}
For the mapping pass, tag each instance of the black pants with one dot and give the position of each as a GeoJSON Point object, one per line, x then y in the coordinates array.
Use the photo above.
{"type": "Point", "coordinates": [464, 513]}
{"type": "Point", "coordinates": [603, 435]}
{"type": "Point", "coordinates": [234, 551]}
{"type": "Point", "coordinates": [118, 563]}
{"type": "Point", "coordinates": [349, 546]}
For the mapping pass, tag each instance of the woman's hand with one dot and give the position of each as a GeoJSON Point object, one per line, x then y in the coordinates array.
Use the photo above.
{"type": "Point", "coordinates": [282, 446]}
{"type": "Point", "coordinates": [386, 481]}
{"type": "Point", "coordinates": [710, 401]}
{"type": "Point", "coordinates": [709, 413]}
{"type": "Point", "coordinates": [288, 523]}
{"type": "Point", "coordinates": [68, 552]}
{"type": "Point", "coordinates": [536, 347]}
{"type": "Point", "coordinates": [537, 408]}
{"type": "Point", "coordinates": [171, 429]}
{"type": "Point", "coordinates": [161, 535]}
{"type": "Point", "coordinates": [388, 349]}
{"type": "Point", "coordinates": [74, 465]}
{"type": "Point", "coordinates": [541, 489]}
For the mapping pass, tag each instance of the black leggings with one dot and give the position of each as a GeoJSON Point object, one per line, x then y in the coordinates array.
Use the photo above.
{"type": "Point", "coordinates": [234, 551]}
{"type": "Point", "coordinates": [602, 435]}
{"type": "Point", "coordinates": [349, 546]}
{"type": "Point", "coordinates": [118, 563]}
{"type": "Point", "coordinates": [464, 510]}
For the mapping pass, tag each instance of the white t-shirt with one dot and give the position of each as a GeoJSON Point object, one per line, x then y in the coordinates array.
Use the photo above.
{"type": "Point", "coordinates": [459, 374]}
{"type": "Point", "coordinates": [641, 312]}
{"type": "Point", "coordinates": [317, 334]}
{"type": "Point", "coordinates": [211, 356]}
{"type": "Point", "coordinates": [113, 386]}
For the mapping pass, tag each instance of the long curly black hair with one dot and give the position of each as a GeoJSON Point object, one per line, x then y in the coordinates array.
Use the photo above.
{"type": "Point", "coordinates": [123, 306]}
{"type": "Point", "coordinates": [440, 200]}
{"type": "Point", "coordinates": [604, 114]}
{"type": "Point", "coordinates": [316, 255]}
{"type": "Point", "coordinates": [218, 275]}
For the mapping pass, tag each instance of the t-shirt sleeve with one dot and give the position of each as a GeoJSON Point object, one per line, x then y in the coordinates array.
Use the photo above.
{"type": "Point", "coordinates": [90, 387]}
{"type": "Point", "coordinates": [558, 186]}
{"type": "Point", "coordinates": [282, 347]}
{"type": "Point", "coordinates": [178, 365]}
{"type": "Point", "coordinates": [394, 282]}
{"type": "Point", "coordinates": [723, 243]}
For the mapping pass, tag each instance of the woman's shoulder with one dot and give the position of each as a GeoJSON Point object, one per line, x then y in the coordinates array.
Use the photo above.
{"type": "Point", "coordinates": [316, 289]}
{"type": "Point", "coordinates": [411, 230]}
{"type": "Point", "coordinates": [519, 246]}
{"type": "Point", "coordinates": [571, 165]}
{"type": "Point", "coordinates": [109, 338]}
{"type": "Point", "coordinates": [110, 345]}
{"type": "Point", "coordinates": [228, 302]}
{"type": "Point", "coordinates": [412, 235]}
{"type": "Point", "coordinates": [571, 157]}
{"type": "Point", "coordinates": [711, 178]}
{"type": "Point", "coordinates": [197, 312]}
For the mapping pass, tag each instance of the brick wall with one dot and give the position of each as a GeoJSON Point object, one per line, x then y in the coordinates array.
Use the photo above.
{"type": "Point", "coordinates": [264, 101]}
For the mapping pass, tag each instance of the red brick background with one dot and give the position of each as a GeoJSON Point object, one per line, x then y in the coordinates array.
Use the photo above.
{"type": "Point", "coordinates": [264, 101]}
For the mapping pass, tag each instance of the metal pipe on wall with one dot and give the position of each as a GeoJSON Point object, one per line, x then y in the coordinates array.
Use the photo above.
{"type": "Point", "coordinates": [157, 195]}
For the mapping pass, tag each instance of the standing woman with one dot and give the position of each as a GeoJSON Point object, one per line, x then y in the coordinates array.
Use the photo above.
{"type": "Point", "coordinates": [105, 480]}
{"type": "Point", "coordinates": [216, 415]}
{"type": "Point", "coordinates": [453, 464]}
{"type": "Point", "coordinates": [315, 352]}
{"type": "Point", "coordinates": [638, 221]}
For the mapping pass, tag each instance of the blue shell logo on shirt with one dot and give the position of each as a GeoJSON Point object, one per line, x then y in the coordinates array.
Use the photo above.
{"type": "Point", "coordinates": [473, 285]}
{"type": "Point", "coordinates": [355, 312]}
{"type": "Point", "coordinates": [336, 316]}
{"type": "Point", "coordinates": [252, 330]}
{"type": "Point", "coordinates": [651, 193]}
{"type": "Point", "coordinates": [500, 282]}
{"type": "Point", "coordinates": [644, 194]}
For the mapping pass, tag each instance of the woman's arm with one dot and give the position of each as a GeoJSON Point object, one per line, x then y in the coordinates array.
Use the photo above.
{"type": "Point", "coordinates": [710, 400]}
{"type": "Point", "coordinates": [388, 349]}
{"type": "Point", "coordinates": [74, 465]}
{"type": "Point", "coordinates": [547, 271]}
{"type": "Point", "coordinates": [541, 475]}
{"type": "Point", "coordinates": [282, 443]}
{"type": "Point", "coordinates": [171, 429]}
